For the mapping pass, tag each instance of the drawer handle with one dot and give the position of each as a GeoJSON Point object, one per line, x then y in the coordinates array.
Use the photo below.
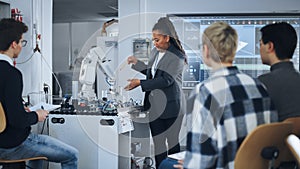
{"type": "Point", "coordinates": [107, 122]}
{"type": "Point", "coordinates": [58, 120]}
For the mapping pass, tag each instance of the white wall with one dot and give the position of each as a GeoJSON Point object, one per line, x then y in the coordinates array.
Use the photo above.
{"type": "Point", "coordinates": [37, 70]}
{"type": "Point", "coordinates": [80, 33]}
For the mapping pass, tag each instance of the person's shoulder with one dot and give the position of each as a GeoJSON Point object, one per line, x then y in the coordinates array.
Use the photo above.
{"type": "Point", "coordinates": [247, 80]}
{"type": "Point", "coordinates": [4, 65]}
{"type": "Point", "coordinates": [7, 67]}
{"type": "Point", "coordinates": [265, 76]}
{"type": "Point", "coordinates": [3, 62]}
{"type": "Point", "coordinates": [250, 78]}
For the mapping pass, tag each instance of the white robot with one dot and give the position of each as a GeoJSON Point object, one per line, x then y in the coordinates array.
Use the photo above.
{"type": "Point", "coordinates": [98, 58]}
{"type": "Point", "coordinates": [95, 58]}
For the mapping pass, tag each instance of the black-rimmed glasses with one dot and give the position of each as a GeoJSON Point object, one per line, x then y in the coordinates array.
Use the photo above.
{"type": "Point", "coordinates": [24, 42]}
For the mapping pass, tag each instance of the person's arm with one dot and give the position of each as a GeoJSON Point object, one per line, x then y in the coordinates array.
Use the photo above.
{"type": "Point", "coordinates": [16, 114]}
{"type": "Point", "coordinates": [133, 83]}
{"type": "Point", "coordinates": [140, 67]}
{"type": "Point", "coordinates": [137, 64]}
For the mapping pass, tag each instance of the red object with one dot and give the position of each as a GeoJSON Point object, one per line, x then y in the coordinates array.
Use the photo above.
{"type": "Point", "coordinates": [16, 14]}
{"type": "Point", "coordinates": [19, 18]}
{"type": "Point", "coordinates": [15, 11]}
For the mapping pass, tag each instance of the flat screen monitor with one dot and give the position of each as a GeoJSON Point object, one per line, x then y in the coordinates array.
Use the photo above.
{"type": "Point", "coordinates": [191, 26]}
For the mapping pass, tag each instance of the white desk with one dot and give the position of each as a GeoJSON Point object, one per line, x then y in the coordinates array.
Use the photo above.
{"type": "Point", "coordinates": [100, 145]}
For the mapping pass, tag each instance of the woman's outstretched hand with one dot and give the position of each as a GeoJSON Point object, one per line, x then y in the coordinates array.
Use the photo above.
{"type": "Point", "coordinates": [133, 83]}
{"type": "Point", "coordinates": [132, 59]}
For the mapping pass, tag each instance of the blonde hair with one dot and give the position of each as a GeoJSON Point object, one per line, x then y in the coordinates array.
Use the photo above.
{"type": "Point", "coordinates": [222, 40]}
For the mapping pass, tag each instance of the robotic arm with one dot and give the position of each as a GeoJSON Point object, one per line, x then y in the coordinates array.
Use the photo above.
{"type": "Point", "coordinates": [95, 57]}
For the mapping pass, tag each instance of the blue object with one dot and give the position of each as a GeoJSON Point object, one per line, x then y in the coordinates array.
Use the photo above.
{"type": "Point", "coordinates": [168, 163]}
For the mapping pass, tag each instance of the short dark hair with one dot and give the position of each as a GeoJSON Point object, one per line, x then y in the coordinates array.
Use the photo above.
{"type": "Point", "coordinates": [283, 36]}
{"type": "Point", "coordinates": [10, 31]}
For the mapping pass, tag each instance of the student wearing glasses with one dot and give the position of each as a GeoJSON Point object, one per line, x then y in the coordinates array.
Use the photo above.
{"type": "Point", "coordinates": [277, 46]}
{"type": "Point", "coordinates": [17, 140]}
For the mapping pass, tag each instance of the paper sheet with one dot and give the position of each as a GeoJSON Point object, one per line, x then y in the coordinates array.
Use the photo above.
{"type": "Point", "coordinates": [48, 107]}
{"type": "Point", "coordinates": [178, 156]}
{"type": "Point", "coordinates": [125, 123]}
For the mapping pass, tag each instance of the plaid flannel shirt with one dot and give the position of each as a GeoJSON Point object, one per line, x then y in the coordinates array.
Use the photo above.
{"type": "Point", "coordinates": [221, 112]}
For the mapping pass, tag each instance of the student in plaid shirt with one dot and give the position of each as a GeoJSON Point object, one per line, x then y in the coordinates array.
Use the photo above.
{"type": "Point", "coordinates": [225, 108]}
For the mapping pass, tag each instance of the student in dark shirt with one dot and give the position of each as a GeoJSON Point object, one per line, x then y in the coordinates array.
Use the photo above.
{"type": "Point", "coordinates": [17, 141]}
{"type": "Point", "coordinates": [277, 47]}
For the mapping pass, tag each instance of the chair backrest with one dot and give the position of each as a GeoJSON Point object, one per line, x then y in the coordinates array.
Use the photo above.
{"type": "Point", "coordinates": [296, 124]}
{"type": "Point", "coordinates": [2, 119]}
{"type": "Point", "coordinates": [293, 143]}
{"type": "Point", "coordinates": [249, 153]}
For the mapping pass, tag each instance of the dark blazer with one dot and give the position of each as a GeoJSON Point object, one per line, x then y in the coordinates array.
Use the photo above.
{"type": "Point", "coordinates": [163, 91]}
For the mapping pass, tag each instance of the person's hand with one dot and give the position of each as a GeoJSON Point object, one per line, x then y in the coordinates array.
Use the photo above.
{"type": "Point", "coordinates": [42, 114]}
{"type": "Point", "coordinates": [179, 165]}
{"type": "Point", "coordinates": [27, 109]}
{"type": "Point", "coordinates": [133, 83]}
{"type": "Point", "coordinates": [132, 59]}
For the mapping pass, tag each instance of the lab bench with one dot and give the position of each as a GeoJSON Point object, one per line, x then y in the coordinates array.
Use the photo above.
{"type": "Point", "coordinates": [103, 141]}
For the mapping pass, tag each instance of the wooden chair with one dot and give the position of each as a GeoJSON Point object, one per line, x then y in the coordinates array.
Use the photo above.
{"type": "Point", "coordinates": [6, 162]}
{"type": "Point", "coordinates": [2, 119]}
{"type": "Point", "coordinates": [260, 139]}
{"type": "Point", "coordinates": [296, 124]}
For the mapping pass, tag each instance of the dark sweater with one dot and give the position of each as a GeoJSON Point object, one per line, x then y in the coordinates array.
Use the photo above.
{"type": "Point", "coordinates": [18, 120]}
{"type": "Point", "coordinates": [283, 85]}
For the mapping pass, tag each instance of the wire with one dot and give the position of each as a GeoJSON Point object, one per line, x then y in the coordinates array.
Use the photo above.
{"type": "Point", "coordinates": [106, 105]}
{"type": "Point", "coordinates": [44, 125]}
{"type": "Point", "coordinates": [55, 77]}
{"type": "Point", "coordinates": [107, 81]}
{"type": "Point", "coordinates": [28, 95]}
{"type": "Point", "coordinates": [47, 90]}
{"type": "Point", "coordinates": [26, 60]}
{"type": "Point", "coordinates": [148, 163]}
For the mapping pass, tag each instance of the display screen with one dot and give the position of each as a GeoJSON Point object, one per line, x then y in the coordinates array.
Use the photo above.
{"type": "Point", "coordinates": [191, 27]}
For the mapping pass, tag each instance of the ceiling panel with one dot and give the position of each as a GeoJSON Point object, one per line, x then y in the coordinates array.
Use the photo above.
{"type": "Point", "coordinates": [84, 10]}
